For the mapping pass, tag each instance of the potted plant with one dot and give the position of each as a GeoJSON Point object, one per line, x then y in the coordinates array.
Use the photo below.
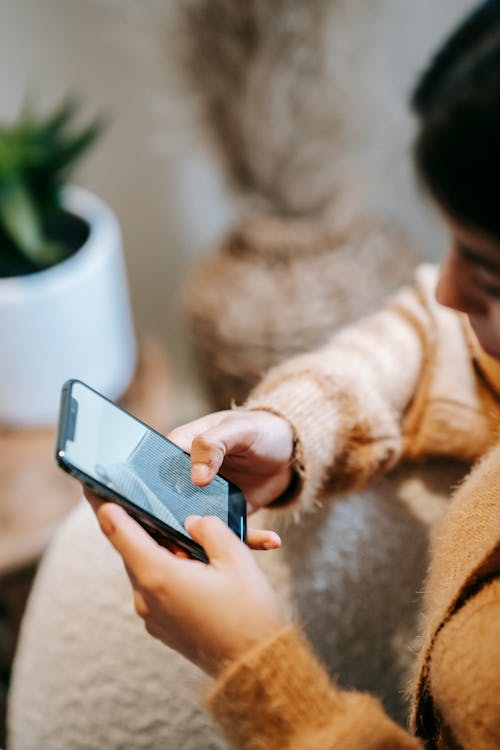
{"type": "Point", "coordinates": [64, 306]}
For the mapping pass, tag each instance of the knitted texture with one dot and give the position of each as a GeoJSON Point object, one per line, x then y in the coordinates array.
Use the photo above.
{"type": "Point", "coordinates": [277, 696]}
{"type": "Point", "coordinates": [87, 675]}
{"type": "Point", "coordinates": [337, 572]}
{"type": "Point", "coordinates": [403, 382]}
{"type": "Point", "coordinates": [466, 557]}
{"type": "Point", "coordinates": [464, 681]}
{"type": "Point", "coordinates": [285, 700]}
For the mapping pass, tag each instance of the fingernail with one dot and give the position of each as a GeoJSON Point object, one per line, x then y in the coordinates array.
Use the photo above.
{"type": "Point", "coordinates": [201, 471]}
{"type": "Point", "coordinates": [193, 518]}
{"type": "Point", "coordinates": [189, 519]}
{"type": "Point", "coordinates": [272, 544]}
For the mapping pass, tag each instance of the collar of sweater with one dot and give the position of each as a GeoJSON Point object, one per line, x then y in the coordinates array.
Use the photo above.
{"type": "Point", "coordinates": [456, 406]}
{"type": "Point", "coordinates": [488, 367]}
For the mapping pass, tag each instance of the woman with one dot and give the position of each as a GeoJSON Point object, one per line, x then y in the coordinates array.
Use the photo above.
{"type": "Point", "coordinates": [413, 381]}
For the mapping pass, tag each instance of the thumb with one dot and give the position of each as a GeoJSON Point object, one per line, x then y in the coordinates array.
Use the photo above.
{"type": "Point", "coordinates": [217, 539]}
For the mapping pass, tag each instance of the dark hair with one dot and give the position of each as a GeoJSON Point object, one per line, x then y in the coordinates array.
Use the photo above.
{"type": "Point", "coordinates": [457, 101]}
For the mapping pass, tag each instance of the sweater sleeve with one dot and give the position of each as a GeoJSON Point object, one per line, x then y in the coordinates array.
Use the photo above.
{"type": "Point", "coordinates": [346, 401]}
{"type": "Point", "coordinates": [464, 674]}
{"type": "Point", "coordinates": [279, 697]}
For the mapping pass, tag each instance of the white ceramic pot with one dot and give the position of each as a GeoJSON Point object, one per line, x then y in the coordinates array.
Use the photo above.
{"type": "Point", "coordinates": [69, 321]}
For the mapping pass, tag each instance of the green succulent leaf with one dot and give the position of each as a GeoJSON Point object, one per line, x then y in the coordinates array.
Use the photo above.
{"type": "Point", "coordinates": [19, 217]}
{"type": "Point", "coordinates": [37, 156]}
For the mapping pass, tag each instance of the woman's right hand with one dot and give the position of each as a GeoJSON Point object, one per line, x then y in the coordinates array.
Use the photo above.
{"type": "Point", "coordinates": [211, 613]}
{"type": "Point", "coordinates": [252, 448]}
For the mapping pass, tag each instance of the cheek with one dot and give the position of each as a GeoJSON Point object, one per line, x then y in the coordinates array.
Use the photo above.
{"type": "Point", "coordinates": [487, 327]}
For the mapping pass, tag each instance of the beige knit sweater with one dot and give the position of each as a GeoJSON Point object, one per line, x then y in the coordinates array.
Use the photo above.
{"type": "Point", "coordinates": [410, 381]}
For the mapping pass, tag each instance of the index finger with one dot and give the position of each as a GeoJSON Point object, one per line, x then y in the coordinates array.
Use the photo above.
{"type": "Point", "coordinates": [140, 553]}
{"type": "Point", "coordinates": [229, 437]}
{"type": "Point", "coordinates": [184, 434]}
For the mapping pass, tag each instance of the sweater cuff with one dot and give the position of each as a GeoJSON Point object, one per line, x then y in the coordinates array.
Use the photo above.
{"type": "Point", "coordinates": [313, 417]}
{"type": "Point", "coordinates": [278, 696]}
{"type": "Point", "coordinates": [273, 693]}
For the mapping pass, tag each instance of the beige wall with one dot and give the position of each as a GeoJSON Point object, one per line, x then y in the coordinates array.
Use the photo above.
{"type": "Point", "coordinates": [146, 166]}
{"type": "Point", "coordinates": [152, 167]}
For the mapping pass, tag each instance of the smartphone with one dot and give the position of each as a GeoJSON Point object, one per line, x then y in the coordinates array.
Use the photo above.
{"type": "Point", "coordinates": [122, 459]}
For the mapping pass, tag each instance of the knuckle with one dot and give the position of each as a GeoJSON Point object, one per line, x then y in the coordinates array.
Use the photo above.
{"type": "Point", "coordinates": [211, 524]}
{"type": "Point", "coordinates": [151, 628]}
{"type": "Point", "coordinates": [211, 452]}
{"type": "Point", "coordinates": [152, 583]}
{"type": "Point", "coordinates": [140, 606]}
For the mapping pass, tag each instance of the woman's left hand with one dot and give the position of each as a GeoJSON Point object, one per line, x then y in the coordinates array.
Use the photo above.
{"type": "Point", "coordinates": [211, 613]}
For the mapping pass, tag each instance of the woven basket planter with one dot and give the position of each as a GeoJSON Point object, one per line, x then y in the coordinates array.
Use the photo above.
{"type": "Point", "coordinates": [277, 287]}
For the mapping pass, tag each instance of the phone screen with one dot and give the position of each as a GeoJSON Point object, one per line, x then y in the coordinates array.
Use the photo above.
{"type": "Point", "coordinates": [118, 451]}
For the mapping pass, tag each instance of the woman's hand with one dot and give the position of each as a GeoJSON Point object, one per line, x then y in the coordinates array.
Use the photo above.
{"type": "Point", "coordinates": [253, 449]}
{"type": "Point", "coordinates": [211, 613]}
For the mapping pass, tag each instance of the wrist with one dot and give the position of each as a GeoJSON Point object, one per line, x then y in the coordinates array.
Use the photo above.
{"type": "Point", "coordinates": [292, 490]}
{"type": "Point", "coordinates": [267, 631]}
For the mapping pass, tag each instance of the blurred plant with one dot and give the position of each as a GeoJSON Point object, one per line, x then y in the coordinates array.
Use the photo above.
{"type": "Point", "coordinates": [36, 158]}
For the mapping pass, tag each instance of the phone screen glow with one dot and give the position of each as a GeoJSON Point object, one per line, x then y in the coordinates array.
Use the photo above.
{"type": "Point", "coordinates": [115, 449]}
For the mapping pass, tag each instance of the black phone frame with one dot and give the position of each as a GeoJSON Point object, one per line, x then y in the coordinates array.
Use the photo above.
{"type": "Point", "coordinates": [159, 530]}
